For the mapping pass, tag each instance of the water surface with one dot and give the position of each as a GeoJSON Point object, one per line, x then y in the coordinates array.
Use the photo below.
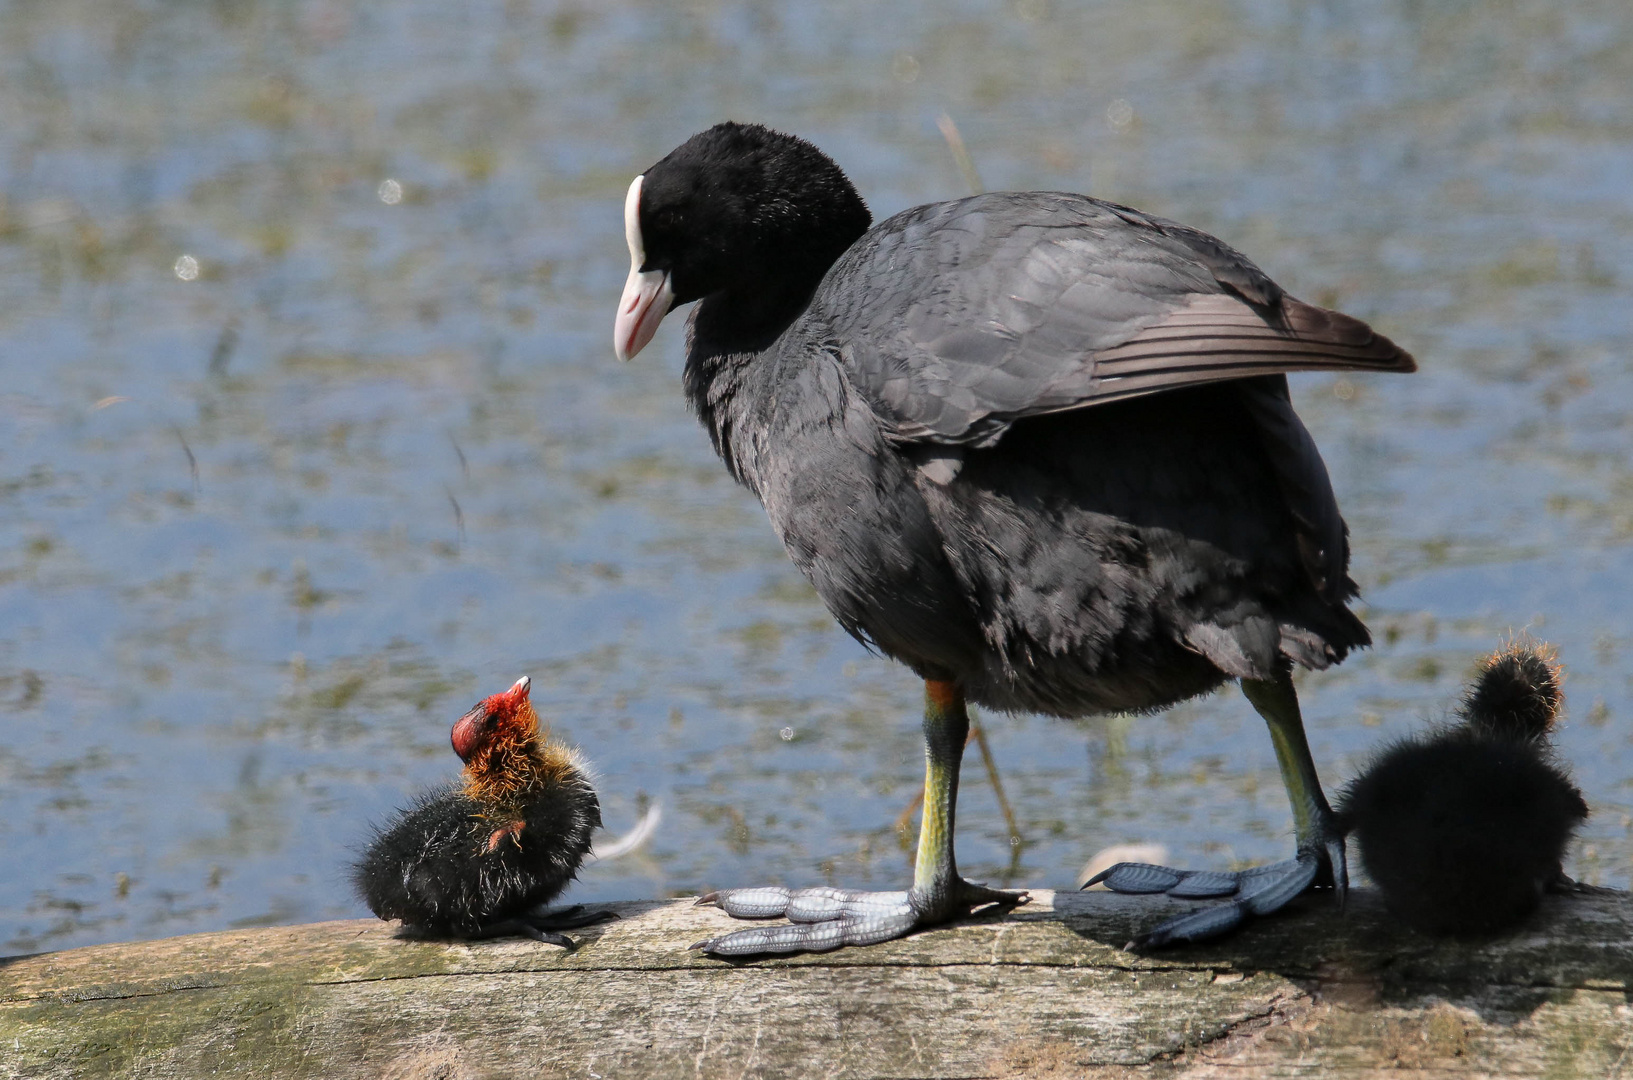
{"type": "Point", "coordinates": [310, 432]}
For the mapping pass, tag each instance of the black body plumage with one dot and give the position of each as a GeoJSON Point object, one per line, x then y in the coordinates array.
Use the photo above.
{"type": "Point", "coordinates": [1464, 829]}
{"type": "Point", "coordinates": [433, 870]}
{"type": "Point", "coordinates": [914, 414]}
{"type": "Point", "coordinates": [1036, 446]}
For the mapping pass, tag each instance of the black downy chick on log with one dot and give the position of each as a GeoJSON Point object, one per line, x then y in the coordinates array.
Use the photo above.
{"type": "Point", "coordinates": [474, 861]}
{"type": "Point", "coordinates": [1465, 829]}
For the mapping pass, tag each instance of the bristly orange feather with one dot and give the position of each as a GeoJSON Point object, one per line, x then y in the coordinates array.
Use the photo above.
{"type": "Point", "coordinates": [516, 761]}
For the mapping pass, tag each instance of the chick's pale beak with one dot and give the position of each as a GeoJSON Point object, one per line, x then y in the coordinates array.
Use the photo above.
{"type": "Point", "coordinates": [647, 294]}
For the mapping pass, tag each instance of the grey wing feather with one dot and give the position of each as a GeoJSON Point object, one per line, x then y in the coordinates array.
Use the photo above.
{"type": "Point", "coordinates": [976, 313]}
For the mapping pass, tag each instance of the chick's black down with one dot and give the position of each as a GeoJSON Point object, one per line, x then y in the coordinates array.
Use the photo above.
{"type": "Point", "coordinates": [432, 868]}
{"type": "Point", "coordinates": [1465, 829]}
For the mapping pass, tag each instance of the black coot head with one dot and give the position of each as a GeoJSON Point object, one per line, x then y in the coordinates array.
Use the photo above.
{"type": "Point", "coordinates": [736, 205]}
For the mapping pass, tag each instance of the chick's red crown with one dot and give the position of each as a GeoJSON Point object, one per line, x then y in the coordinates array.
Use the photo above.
{"type": "Point", "coordinates": [508, 716]}
{"type": "Point", "coordinates": [508, 760]}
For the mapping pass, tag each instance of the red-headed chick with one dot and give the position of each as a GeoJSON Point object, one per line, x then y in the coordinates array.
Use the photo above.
{"type": "Point", "coordinates": [476, 860]}
{"type": "Point", "coordinates": [1464, 830]}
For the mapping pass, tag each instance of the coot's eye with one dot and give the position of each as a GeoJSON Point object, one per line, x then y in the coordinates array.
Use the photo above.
{"type": "Point", "coordinates": [666, 218]}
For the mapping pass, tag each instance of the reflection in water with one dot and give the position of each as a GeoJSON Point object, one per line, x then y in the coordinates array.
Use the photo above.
{"type": "Point", "coordinates": [309, 427]}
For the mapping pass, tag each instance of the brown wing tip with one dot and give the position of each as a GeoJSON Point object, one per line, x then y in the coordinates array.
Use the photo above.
{"type": "Point", "coordinates": [1321, 324]}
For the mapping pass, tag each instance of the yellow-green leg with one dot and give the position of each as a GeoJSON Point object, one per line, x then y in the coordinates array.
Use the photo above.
{"type": "Point", "coordinates": [1267, 888]}
{"type": "Point", "coordinates": [938, 892]}
{"type": "Point", "coordinates": [1313, 822]}
{"type": "Point", "coordinates": [826, 918]}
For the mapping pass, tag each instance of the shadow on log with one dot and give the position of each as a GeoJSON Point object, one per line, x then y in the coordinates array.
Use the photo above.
{"type": "Point", "coordinates": [1044, 992]}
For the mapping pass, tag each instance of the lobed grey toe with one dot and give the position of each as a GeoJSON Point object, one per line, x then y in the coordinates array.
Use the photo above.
{"type": "Point", "coordinates": [789, 937]}
{"type": "Point", "coordinates": [1260, 891]}
{"type": "Point", "coordinates": [876, 928]}
{"type": "Point", "coordinates": [1258, 873]}
{"type": "Point", "coordinates": [1133, 877]}
{"type": "Point", "coordinates": [1206, 883]}
{"type": "Point", "coordinates": [1271, 893]}
{"type": "Point", "coordinates": [1197, 926]}
{"type": "Point", "coordinates": [818, 904]}
{"type": "Point", "coordinates": [811, 936]}
{"type": "Point", "coordinates": [878, 905]}
{"type": "Point", "coordinates": [765, 902]}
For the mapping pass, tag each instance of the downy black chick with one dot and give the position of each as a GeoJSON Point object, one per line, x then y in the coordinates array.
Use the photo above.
{"type": "Point", "coordinates": [474, 860]}
{"type": "Point", "coordinates": [1465, 829]}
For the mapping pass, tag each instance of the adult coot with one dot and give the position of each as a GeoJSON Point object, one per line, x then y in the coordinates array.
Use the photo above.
{"type": "Point", "coordinates": [474, 861]}
{"type": "Point", "coordinates": [1036, 446]}
{"type": "Point", "coordinates": [1465, 829]}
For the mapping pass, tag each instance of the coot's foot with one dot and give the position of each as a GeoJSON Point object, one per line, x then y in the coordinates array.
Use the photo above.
{"type": "Point", "coordinates": [820, 919]}
{"type": "Point", "coordinates": [543, 926]}
{"type": "Point", "coordinates": [1258, 891]}
{"type": "Point", "coordinates": [1265, 889]}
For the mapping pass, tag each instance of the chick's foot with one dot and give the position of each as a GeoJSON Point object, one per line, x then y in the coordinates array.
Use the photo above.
{"type": "Point", "coordinates": [544, 926]}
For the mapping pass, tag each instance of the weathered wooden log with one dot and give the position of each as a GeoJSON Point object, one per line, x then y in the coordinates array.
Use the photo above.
{"type": "Point", "coordinates": [1044, 992]}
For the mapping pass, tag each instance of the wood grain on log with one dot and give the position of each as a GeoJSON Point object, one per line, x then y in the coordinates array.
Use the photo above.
{"type": "Point", "coordinates": [1044, 992]}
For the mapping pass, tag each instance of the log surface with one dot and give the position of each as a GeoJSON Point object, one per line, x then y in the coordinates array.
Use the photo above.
{"type": "Point", "coordinates": [1043, 992]}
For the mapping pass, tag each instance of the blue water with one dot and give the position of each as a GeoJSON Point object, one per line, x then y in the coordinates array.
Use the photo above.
{"type": "Point", "coordinates": [265, 533]}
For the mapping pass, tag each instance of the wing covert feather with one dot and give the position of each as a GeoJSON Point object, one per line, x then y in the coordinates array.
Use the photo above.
{"type": "Point", "coordinates": [956, 319]}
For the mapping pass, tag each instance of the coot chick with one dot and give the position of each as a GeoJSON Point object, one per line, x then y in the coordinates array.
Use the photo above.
{"type": "Point", "coordinates": [473, 861]}
{"type": "Point", "coordinates": [1465, 829]}
{"type": "Point", "coordinates": [1036, 446]}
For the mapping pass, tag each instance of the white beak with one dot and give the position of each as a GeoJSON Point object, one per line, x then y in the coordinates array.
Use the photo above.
{"type": "Point", "coordinates": [647, 295]}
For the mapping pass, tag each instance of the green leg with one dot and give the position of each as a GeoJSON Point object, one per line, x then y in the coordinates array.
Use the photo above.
{"type": "Point", "coordinates": [826, 918]}
{"type": "Point", "coordinates": [1264, 889]}
{"type": "Point", "coordinates": [938, 892]}
{"type": "Point", "coordinates": [936, 884]}
{"type": "Point", "coordinates": [1277, 702]}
